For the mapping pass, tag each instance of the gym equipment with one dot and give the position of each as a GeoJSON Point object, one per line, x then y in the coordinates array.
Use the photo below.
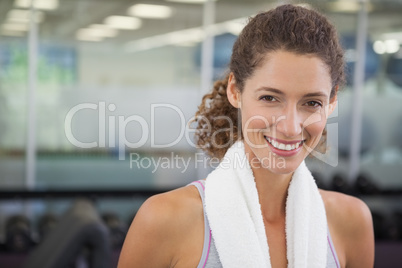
{"type": "Point", "coordinates": [398, 221]}
{"type": "Point", "coordinates": [46, 223]}
{"type": "Point", "coordinates": [117, 229]}
{"type": "Point", "coordinates": [339, 183]}
{"type": "Point", "coordinates": [79, 230]}
{"type": "Point", "coordinates": [385, 227]}
{"type": "Point", "coordinates": [18, 234]}
{"type": "Point", "coordinates": [319, 180]}
{"type": "Point", "coordinates": [364, 185]}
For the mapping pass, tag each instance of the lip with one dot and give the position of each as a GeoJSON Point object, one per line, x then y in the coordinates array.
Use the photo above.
{"type": "Point", "coordinates": [283, 152]}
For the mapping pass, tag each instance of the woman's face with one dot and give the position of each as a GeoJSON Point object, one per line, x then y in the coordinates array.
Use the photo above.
{"type": "Point", "coordinates": [284, 108]}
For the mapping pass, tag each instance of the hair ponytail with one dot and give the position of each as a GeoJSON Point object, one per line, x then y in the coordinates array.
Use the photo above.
{"type": "Point", "coordinates": [217, 121]}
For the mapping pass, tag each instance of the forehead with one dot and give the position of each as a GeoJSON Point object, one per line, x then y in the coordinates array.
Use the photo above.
{"type": "Point", "coordinates": [291, 72]}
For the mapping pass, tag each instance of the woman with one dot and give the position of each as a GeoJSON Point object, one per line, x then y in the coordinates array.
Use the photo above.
{"type": "Point", "coordinates": [285, 72]}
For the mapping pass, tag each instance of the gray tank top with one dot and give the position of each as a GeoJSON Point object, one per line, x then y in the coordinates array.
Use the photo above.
{"type": "Point", "coordinates": [210, 258]}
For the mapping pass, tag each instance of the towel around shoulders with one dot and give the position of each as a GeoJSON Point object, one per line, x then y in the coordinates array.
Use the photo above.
{"type": "Point", "coordinates": [234, 214]}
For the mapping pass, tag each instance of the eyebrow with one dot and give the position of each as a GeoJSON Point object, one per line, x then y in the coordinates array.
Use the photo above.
{"type": "Point", "coordinates": [279, 92]}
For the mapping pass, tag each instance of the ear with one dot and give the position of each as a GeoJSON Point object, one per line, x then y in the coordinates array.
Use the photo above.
{"type": "Point", "coordinates": [232, 92]}
{"type": "Point", "coordinates": [333, 102]}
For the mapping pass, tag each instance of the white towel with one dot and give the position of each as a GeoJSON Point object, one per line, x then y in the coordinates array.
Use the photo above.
{"type": "Point", "coordinates": [234, 214]}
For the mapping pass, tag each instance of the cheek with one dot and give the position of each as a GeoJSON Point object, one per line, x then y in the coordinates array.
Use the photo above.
{"type": "Point", "coordinates": [315, 129]}
{"type": "Point", "coordinates": [253, 119]}
{"type": "Point", "coordinates": [315, 124]}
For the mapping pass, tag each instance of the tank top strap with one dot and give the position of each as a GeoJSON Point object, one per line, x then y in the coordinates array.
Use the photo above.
{"type": "Point", "coordinates": [332, 257]}
{"type": "Point", "coordinates": [200, 185]}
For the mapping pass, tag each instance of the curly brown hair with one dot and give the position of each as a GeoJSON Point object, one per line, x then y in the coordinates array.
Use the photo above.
{"type": "Point", "coordinates": [287, 27]}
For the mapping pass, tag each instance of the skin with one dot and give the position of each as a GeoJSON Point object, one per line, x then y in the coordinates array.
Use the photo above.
{"type": "Point", "coordinates": [156, 239]}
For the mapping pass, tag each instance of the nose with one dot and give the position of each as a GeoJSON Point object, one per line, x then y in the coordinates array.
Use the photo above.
{"type": "Point", "coordinates": [289, 123]}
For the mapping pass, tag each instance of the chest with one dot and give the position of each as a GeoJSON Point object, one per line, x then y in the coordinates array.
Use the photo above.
{"type": "Point", "coordinates": [276, 238]}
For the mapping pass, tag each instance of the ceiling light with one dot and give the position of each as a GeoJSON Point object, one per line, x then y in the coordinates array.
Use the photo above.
{"type": "Point", "coordinates": [38, 4]}
{"type": "Point", "coordinates": [186, 44]}
{"type": "Point", "coordinates": [150, 11]}
{"type": "Point", "coordinates": [189, 1]}
{"type": "Point", "coordinates": [391, 46]}
{"type": "Point", "coordinates": [95, 32]}
{"type": "Point", "coordinates": [388, 46]}
{"type": "Point", "coordinates": [103, 30]}
{"type": "Point", "coordinates": [15, 27]}
{"type": "Point", "coordinates": [23, 16]}
{"type": "Point", "coordinates": [345, 6]}
{"type": "Point", "coordinates": [348, 6]}
{"type": "Point", "coordinates": [172, 38]}
{"type": "Point", "coordinates": [123, 22]}
{"type": "Point", "coordinates": [86, 35]}
{"type": "Point", "coordinates": [184, 37]}
{"type": "Point", "coordinates": [379, 47]}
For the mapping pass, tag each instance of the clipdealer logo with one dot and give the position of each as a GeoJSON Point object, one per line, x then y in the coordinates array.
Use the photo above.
{"type": "Point", "coordinates": [147, 129]}
{"type": "Point", "coordinates": [119, 123]}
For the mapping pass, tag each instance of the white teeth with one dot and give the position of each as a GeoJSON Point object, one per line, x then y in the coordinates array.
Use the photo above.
{"type": "Point", "coordinates": [285, 147]}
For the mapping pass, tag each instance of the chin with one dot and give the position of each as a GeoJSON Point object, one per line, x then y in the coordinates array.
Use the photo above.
{"type": "Point", "coordinates": [266, 158]}
{"type": "Point", "coordinates": [281, 165]}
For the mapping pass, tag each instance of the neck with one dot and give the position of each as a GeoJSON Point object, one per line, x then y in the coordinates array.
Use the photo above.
{"type": "Point", "coordinates": [272, 193]}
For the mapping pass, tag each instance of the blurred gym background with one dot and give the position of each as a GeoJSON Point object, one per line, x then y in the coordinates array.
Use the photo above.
{"type": "Point", "coordinates": [93, 93]}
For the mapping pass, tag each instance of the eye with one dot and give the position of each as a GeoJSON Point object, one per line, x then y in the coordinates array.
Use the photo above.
{"type": "Point", "coordinates": [314, 104]}
{"type": "Point", "coordinates": [268, 98]}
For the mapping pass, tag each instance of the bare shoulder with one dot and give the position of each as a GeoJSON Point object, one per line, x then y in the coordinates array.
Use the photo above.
{"type": "Point", "coordinates": [160, 227]}
{"type": "Point", "coordinates": [351, 222]}
{"type": "Point", "coordinates": [164, 206]}
{"type": "Point", "coordinates": [345, 205]}
{"type": "Point", "coordinates": [348, 213]}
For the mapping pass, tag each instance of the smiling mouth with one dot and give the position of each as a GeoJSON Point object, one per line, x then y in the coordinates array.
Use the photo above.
{"type": "Point", "coordinates": [284, 147]}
